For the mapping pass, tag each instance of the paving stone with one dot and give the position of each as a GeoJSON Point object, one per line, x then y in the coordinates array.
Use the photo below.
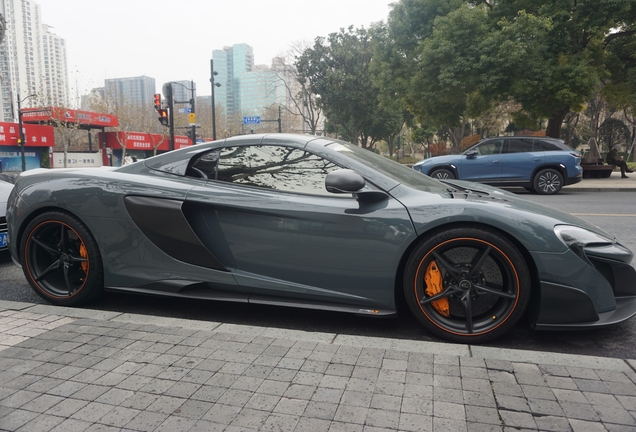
{"type": "Point", "coordinates": [119, 416]}
{"type": "Point", "coordinates": [146, 421]}
{"type": "Point", "coordinates": [291, 406]}
{"type": "Point", "coordinates": [545, 407]}
{"type": "Point", "coordinates": [517, 419]}
{"type": "Point", "coordinates": [480, 399]}
{"type": "Point", "coordinates": [445, 424]}
{"type": "Point", "coordinates": [312, 425]}
{"type": "Point", "coordinates": [574, 396]}
{"type": "Point", "coordinates": [538, 392]}
{"type": "Point", "coordinates": [17, 418]}
{"type": "Point", "coordinates": [93, 412]}
{"type": "Point", "coordinates": [264, 402]}
{"type": "Point", "coordinates": [552, 423]}
{"type": "Point", "coordinates": [476, 414]}
{"type": "Point", "coordinates": [382, 418]}
{"type": "Point", "coordinates": [67, 407]}
{"type": "Point", "coordinates": [579, 411]}
{"type": "Point", "coordinates": [512, 403]}
{"type": "Point", "coordinates": [250, 419]}
{"type": "Point", "coordinates": [71, 425]}
{"type": "Point", "coordinates": [508, 389]}
{"type": "Point", "coordinates": [415, 422]}
{"type": "Point", "coordinates": [280, 422]}
{"type": "Point", "coordinates": [586, 426]}
{"type": "Point", "coordinates": [42, 403]}
{"type": "Point", "coordinates": [449, 410]}
{"type": "Point", "coordinates": [615, 415]}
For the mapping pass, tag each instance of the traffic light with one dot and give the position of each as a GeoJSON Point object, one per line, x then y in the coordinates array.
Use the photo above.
{"type": "Point", "coordinates": [163, 117]}
{"type": "Point", "coordinates": [158, 102]}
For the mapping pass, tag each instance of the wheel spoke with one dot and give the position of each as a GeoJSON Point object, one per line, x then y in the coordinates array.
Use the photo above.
{"type": "Point", "coordinates": [468, 311]}
{"type": "Point", "coordinates": [77, 259]}
{"type": "Point", "coordinates": [480, 262]}
{"type": "Point", "coordinates": [486, 290]}
{"type": "Point", "coordinates": [63, 238]}
{"type": "Point", "coordinates": [442, 262]}
{"type": "Point", "coordinates": [66, 279]}
{"type": "Point", "coordinates": [44, 246]}
{"type": "Point", "coordinates": [451, 289]}
{"type": "Point", "coordinates": [49, 269]}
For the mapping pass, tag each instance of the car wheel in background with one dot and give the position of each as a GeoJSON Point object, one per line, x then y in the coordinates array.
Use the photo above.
{"type": "Point", "coordinates": [61, 260]}
{"type": "Point", "coordinates": [467, 285]}
{"type": "Point", "coordinates": [548, 181]}
{"type": "Point", "coordinates": [442, 174]}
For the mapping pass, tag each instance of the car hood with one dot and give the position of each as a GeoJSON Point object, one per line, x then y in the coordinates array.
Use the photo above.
{"type": "Point", "coordinates": [465, 202]}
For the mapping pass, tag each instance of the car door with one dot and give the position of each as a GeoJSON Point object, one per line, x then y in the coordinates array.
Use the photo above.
{"type": "Point", "coordinates": [519, 159]}
{"type": "Point", "coordinates": [287, 239]}
{"type": "Point", "coordinates": [483, 162]}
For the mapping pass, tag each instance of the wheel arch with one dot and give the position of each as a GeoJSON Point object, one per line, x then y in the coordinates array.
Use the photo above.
{"type": "Point", "coordinates": [535, 293]}
{"type": "Point", "coordinates": [450, 167]}
{"type": "Point", "coordinates": [27, 220]}
{"type": "Point", "coordinates": [554, 165]}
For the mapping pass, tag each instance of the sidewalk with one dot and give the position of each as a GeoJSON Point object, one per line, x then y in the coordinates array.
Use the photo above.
{"type": "Point", "coordinates": [68, 370]}
{"type": "Point", "coordinates": [612, 184]}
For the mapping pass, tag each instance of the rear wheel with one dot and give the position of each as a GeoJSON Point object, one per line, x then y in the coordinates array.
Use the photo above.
{"type": "Point", "coordinates": [548, 182]}
{"type": "Point", "coordinates": [467, 285]}
{"type": "Point", "coordinates": [61, 260]}
{"type": "Point", "coordinates": [443, 174]}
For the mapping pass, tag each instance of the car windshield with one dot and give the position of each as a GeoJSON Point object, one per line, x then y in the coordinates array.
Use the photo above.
{"type": "Point", "coordinates": [396, 171]}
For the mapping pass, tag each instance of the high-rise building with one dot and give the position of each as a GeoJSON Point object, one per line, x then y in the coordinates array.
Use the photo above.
{"type": "Point", "coordinates": [137, 91]}
{"type": "Point", "coordinates": [55, 69]}
{"type": "Point", "coordinates": [32, 60]}
{"type": "Point", "coordinates": [231, 63]}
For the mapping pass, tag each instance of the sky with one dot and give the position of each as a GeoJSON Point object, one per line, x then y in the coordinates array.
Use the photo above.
{"type": "Point", "coordinates": [173, 41]}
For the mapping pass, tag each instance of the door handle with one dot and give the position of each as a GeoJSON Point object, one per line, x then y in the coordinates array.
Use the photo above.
{"type": "Point", "coordinates": [495, 161]}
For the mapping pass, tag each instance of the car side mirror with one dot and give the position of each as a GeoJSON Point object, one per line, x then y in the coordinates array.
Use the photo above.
{"type": "Point", "coordinates": [344, 181]}
{"type": "Point", "coordinates": [471, 153]}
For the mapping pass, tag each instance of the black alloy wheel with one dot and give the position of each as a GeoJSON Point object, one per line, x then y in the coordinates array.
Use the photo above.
{"type": "Point", "coordinates": [60, 259]}
{"type": "Point", "coordinates": [467, 285]}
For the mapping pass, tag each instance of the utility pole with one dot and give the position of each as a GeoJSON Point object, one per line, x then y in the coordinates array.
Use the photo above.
{"type": "Point", "coordinates": [21, 134]}
{"type": "Point", "coordinates": [168, 94]}
{"type": "Point", "coordinates": [213, 73]}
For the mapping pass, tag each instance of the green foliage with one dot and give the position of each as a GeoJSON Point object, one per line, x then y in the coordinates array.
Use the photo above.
{"type": "Point", "coordinates": [548, 55]}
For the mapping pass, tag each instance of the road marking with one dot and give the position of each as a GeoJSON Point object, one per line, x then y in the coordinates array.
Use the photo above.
{"type": "Point", "coordinates": [604, 214]}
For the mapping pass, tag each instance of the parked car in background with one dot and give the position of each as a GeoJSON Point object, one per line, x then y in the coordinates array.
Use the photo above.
{"type": "Point", "coordinates": [539, 164]}
{"type": "Point", "coordinates": [5, 189]}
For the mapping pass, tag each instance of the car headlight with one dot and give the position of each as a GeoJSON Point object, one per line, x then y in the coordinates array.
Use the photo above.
{"type": "Point", "coordinates": [577, 238]}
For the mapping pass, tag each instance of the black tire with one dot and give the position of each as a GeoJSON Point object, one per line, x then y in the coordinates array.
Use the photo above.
{"type": "Point", "coordinates": [548, 182]}
{"type": "Point", "coordinates": [442, 174]}
{"type": "Point", "coordinates": [61, 260]}
{"type": "Point", "coordinates": [484, 280]}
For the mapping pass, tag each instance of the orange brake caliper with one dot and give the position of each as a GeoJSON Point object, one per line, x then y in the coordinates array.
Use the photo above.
{"type": "Point", "coordinates": [433, 279]}
{"type": "Point", "coordinates": [84, 254]}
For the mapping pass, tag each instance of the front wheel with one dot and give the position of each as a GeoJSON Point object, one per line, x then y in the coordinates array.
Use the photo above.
{"type": "Point", "coordinates": [61, 260]}
{"type": "Point", "coordinates": [548, 182]}
{"type": "Point", "coordinates": [467, 285]}
{"type": "Point", "coordinates": [442, 174]}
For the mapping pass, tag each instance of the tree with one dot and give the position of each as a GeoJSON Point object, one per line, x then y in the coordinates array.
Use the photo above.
{"type": "Point", "coordinates": [548, 55]}
{"type": "Point", "coordinates": [301, 100]}
{"type": "Point", "coordinates": [338, 70]}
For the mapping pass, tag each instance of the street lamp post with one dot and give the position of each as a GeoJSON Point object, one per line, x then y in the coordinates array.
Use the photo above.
{"type": "Point", "coordinates": [212, 74]}
{"type": "Point", "coordinates": [21, 137]}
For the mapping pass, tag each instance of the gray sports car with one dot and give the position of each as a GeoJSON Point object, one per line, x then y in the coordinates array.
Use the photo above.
{"type": "Point", "coordinates": [317, 223]}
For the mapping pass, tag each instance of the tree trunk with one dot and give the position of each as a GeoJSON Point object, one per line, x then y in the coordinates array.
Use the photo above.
{"type": "Point", "coordinates": [555, 122]}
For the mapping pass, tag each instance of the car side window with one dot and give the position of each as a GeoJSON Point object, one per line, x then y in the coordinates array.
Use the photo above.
{"type": "Point", "coordinates": [490, 147]}
{"type": "Point", "coordinates": [519, 145]}
{"type": "Point", "coordinates": [546, 145]}
{"type": "Point", "coordinates": [275, 167]}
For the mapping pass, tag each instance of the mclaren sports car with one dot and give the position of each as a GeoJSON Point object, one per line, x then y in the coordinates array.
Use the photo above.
{"type": "Point", "coordinates": [319, 223]}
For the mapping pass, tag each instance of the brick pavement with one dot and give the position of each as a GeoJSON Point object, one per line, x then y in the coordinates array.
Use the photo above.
{"type": "Point", "coordinates": [61, 371]}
